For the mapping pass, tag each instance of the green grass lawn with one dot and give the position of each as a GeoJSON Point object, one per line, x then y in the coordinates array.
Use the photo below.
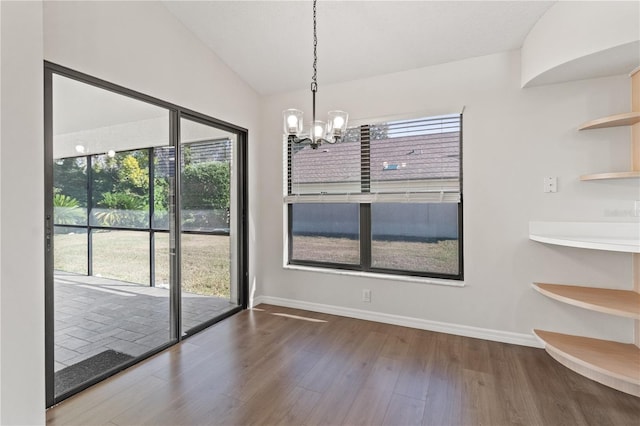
{"type": "Point", "coordinates": [124, 255]}
{"type": "Point", "coordinates": [440, 257]}
{"type": "Point", "coordinates": [324, 249]}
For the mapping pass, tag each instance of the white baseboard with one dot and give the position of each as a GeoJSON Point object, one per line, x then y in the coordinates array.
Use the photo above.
{"type": "Point", "coordinates": [419, 323]}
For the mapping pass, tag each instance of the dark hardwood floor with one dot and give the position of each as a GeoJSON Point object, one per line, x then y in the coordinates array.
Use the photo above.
{"type": "Point", "coordinates": [275, 365]}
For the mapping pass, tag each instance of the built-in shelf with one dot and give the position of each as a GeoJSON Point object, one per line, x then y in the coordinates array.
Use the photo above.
{"type": "Point", "coordinates": [611, 363]}
{"type": "Point", "coordinates": [625, 303]}
{"type": "Point", "coordinates": [611, 175]}
{"type": "Point", "coordinates": [610, 236]}
{"type": "Point", "coordinates": [626, 119]}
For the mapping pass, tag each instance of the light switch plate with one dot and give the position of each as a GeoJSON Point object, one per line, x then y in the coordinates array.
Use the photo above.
{"type": "Point", "coordinates": [551, 184]}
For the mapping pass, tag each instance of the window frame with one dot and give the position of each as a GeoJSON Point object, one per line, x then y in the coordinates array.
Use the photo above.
{"type": "Point", "coordinates": [365, 238]}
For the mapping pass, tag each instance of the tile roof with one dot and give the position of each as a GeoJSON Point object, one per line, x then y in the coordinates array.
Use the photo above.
{"type": "Point", "coordinates": [433, 156]}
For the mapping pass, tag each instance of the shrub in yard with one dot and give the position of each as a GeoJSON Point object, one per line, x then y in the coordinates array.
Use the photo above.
{"type": "Point", "coordinates": [121, 209]}
{"type": "Point", "coordinates": [206, 186]}
{"type": "Point", "coordinates": [205, 196]}
{"type": "Point", "coordinates": [70, 178]}
{"type": "Point", "coordinates": [67, 211]}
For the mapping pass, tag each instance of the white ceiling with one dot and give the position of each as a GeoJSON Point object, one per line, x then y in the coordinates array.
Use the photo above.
{"type": "Point", "coordinates": [269, 43]}
{"type": "Point", "coordinates": [79, 106]}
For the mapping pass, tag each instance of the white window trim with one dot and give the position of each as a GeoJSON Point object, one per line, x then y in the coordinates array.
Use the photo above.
{"type": "Point", "coordinates": [387, 277]}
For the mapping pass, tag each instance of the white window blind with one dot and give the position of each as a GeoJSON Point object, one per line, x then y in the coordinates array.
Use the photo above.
{"type": "Point", "coordinates": [415, 161]}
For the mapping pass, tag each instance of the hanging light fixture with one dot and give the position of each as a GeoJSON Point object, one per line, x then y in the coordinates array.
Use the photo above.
{"type": "Point", "coordinates": [319, 132]}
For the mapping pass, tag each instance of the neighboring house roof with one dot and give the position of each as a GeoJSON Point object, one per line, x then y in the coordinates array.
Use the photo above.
{"type": "Point", "coordinates": [199, 152]}
{"type": "Point", "coordinates": [435, 156]}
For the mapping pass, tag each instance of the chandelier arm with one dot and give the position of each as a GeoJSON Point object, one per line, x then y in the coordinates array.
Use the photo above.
{"type": "Point", "coordinates": [297, 140]}
{"type": "Point", "coordinates": [331, 141]}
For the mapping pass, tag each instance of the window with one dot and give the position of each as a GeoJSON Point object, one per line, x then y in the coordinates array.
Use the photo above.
{"type": "Point", "coordinates": [388, 199]}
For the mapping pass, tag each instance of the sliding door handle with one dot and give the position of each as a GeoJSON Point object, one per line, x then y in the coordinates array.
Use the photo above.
{"type": "Point", "coordinates": [48, 233]}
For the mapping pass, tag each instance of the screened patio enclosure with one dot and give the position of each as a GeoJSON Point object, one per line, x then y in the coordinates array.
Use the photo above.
{"type": "Point", "coordinates": [111, 216]}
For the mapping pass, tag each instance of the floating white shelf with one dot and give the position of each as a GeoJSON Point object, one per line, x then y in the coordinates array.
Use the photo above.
{"type": "Point", "coordinates": [610, 236]}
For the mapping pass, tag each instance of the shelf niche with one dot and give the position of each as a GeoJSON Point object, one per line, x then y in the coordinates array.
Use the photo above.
{"type": "Point", "coordinates": [626, 119]}
{"type": "Point", "coordinates": [613, 364]}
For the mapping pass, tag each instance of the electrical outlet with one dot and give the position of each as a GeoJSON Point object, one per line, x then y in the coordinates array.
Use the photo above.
{"type": "Point", "coordinates": [366, 295]}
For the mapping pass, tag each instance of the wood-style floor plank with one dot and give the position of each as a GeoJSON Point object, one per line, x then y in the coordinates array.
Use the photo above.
{"type": "Point", "coordinates": [280, 366]}
{"type": "Point", "coordinates": [374, 396]}
{"type": "Point", "coordinates": [293, 409]}
{"type": "Point", "coordinates": [403, 410]}
{"type": "Point", "coordinates": [547, 382]}
{"type": "Point", "coordinates": [336, 401]}
{"type": "Point", "coordinates": [512, 386]}
{"type": "Point", "coordinates": [445, 402]}
{"type": "Point", "coordinates": [413, 381]}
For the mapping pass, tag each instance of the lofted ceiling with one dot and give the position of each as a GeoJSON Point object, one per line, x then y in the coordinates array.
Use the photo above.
{"type": "Point", "coordinates": [269, 43]}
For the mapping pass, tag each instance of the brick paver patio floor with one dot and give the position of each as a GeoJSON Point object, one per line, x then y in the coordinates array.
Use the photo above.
{"type": "Point", "coordinates": [94, 314]}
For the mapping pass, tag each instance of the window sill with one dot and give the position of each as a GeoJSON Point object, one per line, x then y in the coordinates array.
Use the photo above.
{"type": "Point", "coordinates": [389, 277]}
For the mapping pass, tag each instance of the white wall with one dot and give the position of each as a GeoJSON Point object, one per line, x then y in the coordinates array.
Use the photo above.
{"type": "Point", "coordinates": [512, 139]}
{"type": "Point", "coordinates": [0, 212]}
{"type": "Point", "coordinates": [141, 46]}
{"type": "Point", "coordinates": [138, 45]}
{"type": "Point", "coordinates": [21, 216]}
{"type": "Point", "coordinates": [582, 39]}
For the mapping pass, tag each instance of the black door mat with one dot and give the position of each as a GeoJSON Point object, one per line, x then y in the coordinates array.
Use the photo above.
{"type": "Point", "coordinates": [76, 374]}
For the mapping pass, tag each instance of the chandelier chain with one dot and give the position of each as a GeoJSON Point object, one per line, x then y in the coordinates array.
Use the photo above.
{"type": "Point", "coordinates": [314, 79]}
{"type": "Point", "coordinates": [319, 132]}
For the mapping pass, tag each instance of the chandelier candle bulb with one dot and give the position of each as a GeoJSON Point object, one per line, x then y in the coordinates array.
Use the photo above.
{"type": "Point", "coordinates": [293, 121]}
{"type": "Point", "coordinates": [318, 129]}
{"type": "Point", "coordinates": [337, 123]}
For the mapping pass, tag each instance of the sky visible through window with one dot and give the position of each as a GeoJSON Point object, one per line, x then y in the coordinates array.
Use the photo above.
{"type": "Point", "coordinates": [418, 127]}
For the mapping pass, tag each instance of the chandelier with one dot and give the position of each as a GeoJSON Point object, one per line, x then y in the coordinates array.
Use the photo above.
{"type": "Point", "coordinates": [319, 132]}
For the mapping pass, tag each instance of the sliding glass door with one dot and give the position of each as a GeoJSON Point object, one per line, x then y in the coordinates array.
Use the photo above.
{"type": "Point", "coordinates": [144, 231]}
{"type": "Point", "coordinates": [208, 236]}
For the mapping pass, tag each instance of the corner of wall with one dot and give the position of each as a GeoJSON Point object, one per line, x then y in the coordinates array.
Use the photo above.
{"type": "Point", "coordinates": [22, 387]}
{"type": "Point", "coordinates": [0, 213]}
{"type": "Point", "coordinates": [603, 41]}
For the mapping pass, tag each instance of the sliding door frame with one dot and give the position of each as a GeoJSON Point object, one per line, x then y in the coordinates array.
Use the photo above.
{"type": "Point", "coordinates": [175, 113]}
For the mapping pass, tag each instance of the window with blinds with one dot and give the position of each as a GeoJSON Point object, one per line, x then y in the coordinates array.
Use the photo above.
{"type": "Point", "coordinates": [387, 199]}
{"type": "Point", "coordinates": [414, 161]}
